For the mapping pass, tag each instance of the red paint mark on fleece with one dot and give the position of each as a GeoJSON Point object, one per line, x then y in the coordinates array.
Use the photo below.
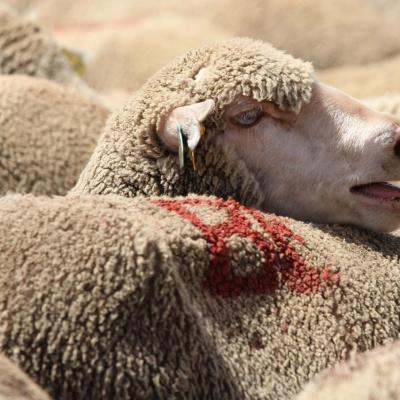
{"type": "Point", "coordinates": [282, 264]}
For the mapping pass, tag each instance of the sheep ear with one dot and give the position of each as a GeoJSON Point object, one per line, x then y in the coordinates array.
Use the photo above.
{"type": "Point", "coordinates": [189, 118]}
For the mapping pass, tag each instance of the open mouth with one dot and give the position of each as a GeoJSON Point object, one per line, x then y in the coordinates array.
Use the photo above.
{"type": "Point", "coordinates": [382, 191]}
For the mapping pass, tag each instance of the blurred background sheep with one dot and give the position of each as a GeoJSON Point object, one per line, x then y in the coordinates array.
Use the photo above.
{"type": "Point", "coordinates": [353, 44]}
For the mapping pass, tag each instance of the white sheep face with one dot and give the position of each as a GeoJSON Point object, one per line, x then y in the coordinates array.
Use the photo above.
{"type": "Point", "coordinates": [310, 165]}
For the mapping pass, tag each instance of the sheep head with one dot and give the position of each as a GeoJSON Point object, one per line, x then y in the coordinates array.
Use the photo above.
{"type": "Point", "coordinates": [275, 138]}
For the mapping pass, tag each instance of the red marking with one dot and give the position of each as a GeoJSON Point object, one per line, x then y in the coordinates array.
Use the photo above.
{"type": "Point", "coordinates": [282, 264]}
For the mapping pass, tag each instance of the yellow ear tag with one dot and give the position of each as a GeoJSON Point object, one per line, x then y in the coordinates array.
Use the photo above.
{"type": "Point", "coordinates": [192, 159]}
{"type": "Point", "coordinates": [182, 146]}
{"type": "Point", "coordinates": [75, 60]}
{"type": "Point", "coordinates": [181, 152]}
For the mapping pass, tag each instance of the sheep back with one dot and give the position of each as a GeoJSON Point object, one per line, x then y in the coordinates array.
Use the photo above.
{"type": "Point", "coordinates": [372, 375]}
{"type": "Point", "coordinates": [47, 133]}
{"type": "Point", "coordinates": [27, 49]}
{"type": "Point", "coordinates": [16, 385]}
{"type": "Point", "coordinates": [187, 297]}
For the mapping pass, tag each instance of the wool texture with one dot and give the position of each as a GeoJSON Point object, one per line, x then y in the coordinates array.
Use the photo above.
{"type": "Point", "coordinates": [130, 160]}
{"type": "Point", "coordinates": [366, 80]}
{"type": "Point", "coordinates": [389, 104]}
{"type": "Point", "coordinates": [129, 55]}
{"type": "Point", "coordinates": [27, 49]}
{"type": "Point", "coordinates": [325, 32]}
{"type": "Point", "coordinates": [189, 298]}
{"type": "Point", "coordinates": [16, 385]}
{"type": "Point", "coordinates": [47, 134]}
{"type": "Point", "coordinates": [372, 375]}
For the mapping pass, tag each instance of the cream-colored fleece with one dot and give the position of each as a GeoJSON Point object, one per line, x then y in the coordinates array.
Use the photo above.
{"type": "Point", "coordinates": [16, 385]}
{"type": "Point", "coordinates": [389, 104]}
{"type": "Point", "coordinates": [47, 134]}
{"type": "Point", "coordinates": [366, 80]}
{"type": "Point", "coordinates": [27, 49]}
{"type": "Point", "coordinates": [372, 375]}
{"type": "Point", "coordinates": [105, 297]}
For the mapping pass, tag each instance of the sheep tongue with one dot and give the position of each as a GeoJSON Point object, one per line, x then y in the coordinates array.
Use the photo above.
{"type": "Point", "coordinates": [380, 190]}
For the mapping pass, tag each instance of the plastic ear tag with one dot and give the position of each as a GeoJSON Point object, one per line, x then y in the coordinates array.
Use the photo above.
{"type": "Point", "coordinates": [75, 60]}
{"type": "Point", "coordinates": [181, 152]}
{"type": "Point", "coordinates": [192, 159]}
{"type": "Point", "coordinates": [182, 148]}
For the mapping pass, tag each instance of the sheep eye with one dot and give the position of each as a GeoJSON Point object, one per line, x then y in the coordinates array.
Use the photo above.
{"type": "Point", "coordinates": [248, 118]}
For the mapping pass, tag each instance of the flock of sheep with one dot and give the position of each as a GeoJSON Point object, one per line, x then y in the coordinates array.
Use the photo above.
{"type": "Point", "coordinates": [133, 260]}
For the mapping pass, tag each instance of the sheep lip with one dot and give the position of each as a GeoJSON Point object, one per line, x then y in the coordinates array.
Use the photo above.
{"type": "Point", "coordinates": [382, 191]}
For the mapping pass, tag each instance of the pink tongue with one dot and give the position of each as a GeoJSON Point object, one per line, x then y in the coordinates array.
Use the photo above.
{"type": "Point", "coordinates": [381, 190]}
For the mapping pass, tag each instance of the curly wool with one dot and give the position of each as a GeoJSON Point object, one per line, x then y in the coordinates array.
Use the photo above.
{"type": "Point", "coordinates": [105, 297]}
{"type": "Point", "coordinates": [27, 49]}
{"type": "Point", "coordinates": [130, 160]}
{"type": "Point", "coordinates": [372, 375]}
{"type": "Point", "coordinates": [47, 134]}
{"type": "Point", "coordinates": [16, 385]}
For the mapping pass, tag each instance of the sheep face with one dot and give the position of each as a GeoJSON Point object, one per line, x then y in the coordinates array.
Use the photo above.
{"type": "Point", "coordinates": [327, 163]}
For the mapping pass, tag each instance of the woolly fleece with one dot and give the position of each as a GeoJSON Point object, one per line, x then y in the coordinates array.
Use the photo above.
{"type": "Point", "coordinates": [108, 297]}
{"type": "Point", "coordinates": [128, 56]}
{"type": "Point", "coordinates": [129, 159]}
{"type": "Point", "coordinates": [47, 134]}
{"type": "Point", "coordinates": [16, 385]}
{"type": "Point", "coordinates": [326, 32]}
{"type": "Point", "coordinates": [375, 79]}
{"type": "Point", "coordinates": [27, 49]}
{"type": "Point", "coordinates": [389, 104]}
{"type": "Point", "coordinates": [372, 375]}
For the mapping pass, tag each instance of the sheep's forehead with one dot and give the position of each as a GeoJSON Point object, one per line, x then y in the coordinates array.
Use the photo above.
{"type": "Point", "coordinates": [239, 57]}
{"type": "Point", "coordinates": [255, 69]}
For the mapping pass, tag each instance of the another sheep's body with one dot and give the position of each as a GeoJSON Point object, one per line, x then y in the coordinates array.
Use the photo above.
{"type": "Point", "coordinates": [129, 56]}
{"type": "Point", "coordinates": [375, 79]}
{"type": "Point", "coordinates": [16, 385]}
{"type": "Point", "coordinates": [25, 48]}
{"type": "Point", "coordinates": [389, 104]}
{"type": "Point", "coordinates": [372, 375]}
{"type": "Point", "coordinates": [47, 133]}
{"type": "Point", "coordinates": [324, 31]}
{"type": "Point", "coordinates": [108, 297]}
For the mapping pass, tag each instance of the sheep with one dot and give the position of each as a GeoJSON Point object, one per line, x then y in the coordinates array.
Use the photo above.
{"type": "Point", "coordinates": [372, 375]}
{"type": "Point", "coordinates": [25, 48]}
{"type": "Point", "coordinates": [389, 104]}
{"type": "Point", "coordinates": [325, 31]}
{"type": "Point", "coordinates": [276, 139]}
{"type": "Point", "coordinates": [47, 133]}
{"type": "Point", "coordinates": [375, 79]}
{"type": "Point", "coordinates": [16, 385]}
{"type": "Point", "coordinates": [105, 297]}
{"type": "Point", "coordinates": [128, 56]}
